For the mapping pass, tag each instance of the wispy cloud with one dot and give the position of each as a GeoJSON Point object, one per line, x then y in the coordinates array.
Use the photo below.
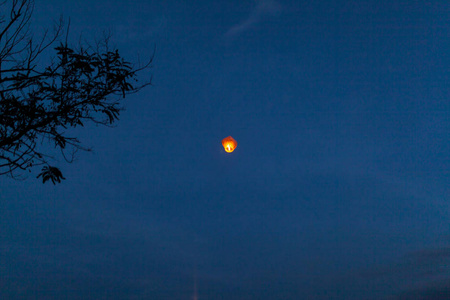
{"type": "Point", "coordinates": [436, 291]}
{"type": "Point", "coordinates": [422, 274]}
{"type": "Point", "coordinates": [262, 10]}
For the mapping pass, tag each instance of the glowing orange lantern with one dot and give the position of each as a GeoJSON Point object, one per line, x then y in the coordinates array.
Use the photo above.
{"type": "Point", "coordinates": [229, 144]}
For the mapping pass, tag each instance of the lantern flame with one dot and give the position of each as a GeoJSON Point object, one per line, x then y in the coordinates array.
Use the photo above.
{"type": "Point", "coordinates": [229, 144]}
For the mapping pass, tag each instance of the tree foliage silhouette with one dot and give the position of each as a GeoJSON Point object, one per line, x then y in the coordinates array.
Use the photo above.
{"type": "Point", "coordinates": [38, 105]}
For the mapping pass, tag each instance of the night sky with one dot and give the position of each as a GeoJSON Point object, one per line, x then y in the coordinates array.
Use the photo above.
{"type": "Point", "coordinates": [338, 189]}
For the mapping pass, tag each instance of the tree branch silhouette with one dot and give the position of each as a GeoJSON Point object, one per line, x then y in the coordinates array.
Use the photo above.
{"type": "Point", "coordinates": [38, 104]}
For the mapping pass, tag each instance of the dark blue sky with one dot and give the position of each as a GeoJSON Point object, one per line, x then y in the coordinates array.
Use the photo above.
{"type": "Point", "coordinates": [338, 189]}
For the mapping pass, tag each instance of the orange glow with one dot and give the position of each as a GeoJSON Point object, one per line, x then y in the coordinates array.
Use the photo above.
{"type": "Point", "coordinates": [229, 144]}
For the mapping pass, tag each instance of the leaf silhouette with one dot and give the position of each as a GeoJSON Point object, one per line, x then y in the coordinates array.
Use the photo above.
{"type": "Point", "coordinates": [52, 173]}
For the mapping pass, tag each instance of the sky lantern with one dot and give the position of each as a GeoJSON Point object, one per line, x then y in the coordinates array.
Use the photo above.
{"type": "Point", "coordinates": [229, 144]}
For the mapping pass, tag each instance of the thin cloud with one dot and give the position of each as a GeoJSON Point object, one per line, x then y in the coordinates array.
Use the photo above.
{"type": "Point", "coordinates": [263, 9]}
{"type": "Point", "coordinates": [436, 291]}
{"type": "Point", "coordinates": [422, 274]}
